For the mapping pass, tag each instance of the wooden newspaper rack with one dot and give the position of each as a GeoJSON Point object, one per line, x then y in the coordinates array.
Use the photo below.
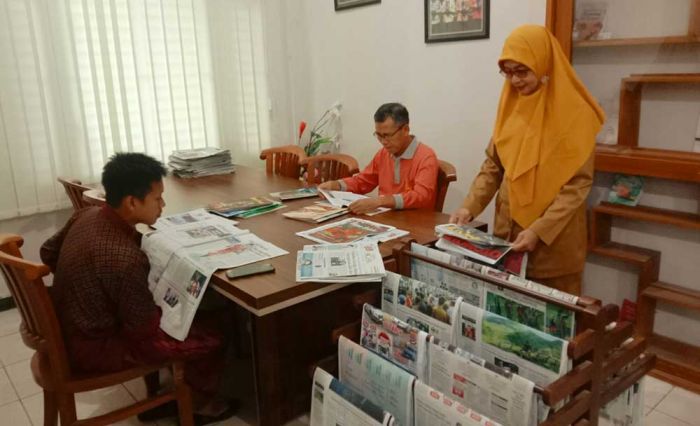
{"type": "Point", "coordinates": [607, 357]}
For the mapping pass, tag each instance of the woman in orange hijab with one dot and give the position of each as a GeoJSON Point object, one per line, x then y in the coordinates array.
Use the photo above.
{"type": "Point", "coordinates": [540, 159]}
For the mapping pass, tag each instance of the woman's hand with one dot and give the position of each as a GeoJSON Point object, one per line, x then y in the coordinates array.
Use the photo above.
{"type": "Point", "coordinates": [461, 216]}
{"type": "Point", "coordinates": [526, 241]}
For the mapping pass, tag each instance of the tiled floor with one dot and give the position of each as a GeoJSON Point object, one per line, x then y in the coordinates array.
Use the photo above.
{"type": "Point", "coordinates": [21, 399]}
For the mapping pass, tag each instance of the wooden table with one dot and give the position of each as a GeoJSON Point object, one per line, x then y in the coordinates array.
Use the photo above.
{"type": "Point", "coordinates": [290, 324]}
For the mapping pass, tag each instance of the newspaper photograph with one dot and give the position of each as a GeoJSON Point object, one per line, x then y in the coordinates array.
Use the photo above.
{"type": "Point", "coordinates": [495, 392]}
{"type": "Point", "coordinates": [435, 409]}
{"type": "Point", "coordinates": [385, 384]}
{"type": "Point", "coordinates": [233, 251]}
{"type": "Point", "coordinates": [394, 340]}
{"type": "Point", "coordinates": [429, 308]}
{"type": "Point", "coordinates": [333, 403]}
{"type": "Point", "coordinates": [525, 351]}
{"type": "Point", "coordinates": [340, 263]}
{"type": "Point", "coordinates": [345, 231]}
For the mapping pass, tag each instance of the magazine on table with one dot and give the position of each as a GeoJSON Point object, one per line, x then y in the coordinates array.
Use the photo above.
{"type": "Point", "coordinates": [344, 199]}
{"type": "Point", "coordinates": [295, 194]}
{"type": "Point", "coordinates": [257, 211]}
{"type": "Point", "coordinates": [427, 307]}
{"type": "Point", "coordinates": [491, 390]}
{"type": "Point", "coordinates": [184, 257]}
{"type": "Point", "coordinates": [345, 231]}
{"type": "Point", "coordinates": [380, 381]}
{"type": "Point", "coordinates": [394, 340]}
{"type": "Point", "coordinates": [548, 317]}
{"type": "Point", "coordinates": [232, 207]}
{"type": "Point", "coordinates": [434, 408]}
{"type": "Point", "coordinates": [333, 403]}
{"type": "Point", "coordinates": [338, 263]}
{"type": "Point", "coordinates": [316, 213]}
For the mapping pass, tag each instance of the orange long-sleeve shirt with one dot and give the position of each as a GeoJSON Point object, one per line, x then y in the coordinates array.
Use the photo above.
{"type": "Point", "coordinates": [410, 178]}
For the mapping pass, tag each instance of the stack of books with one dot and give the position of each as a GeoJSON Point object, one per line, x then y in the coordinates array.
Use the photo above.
{"type": "Point", "coordinates": [316, 213]}
{"type": "Point", "coordinates": [246, 208]}
{"type": "Point", "coordinates": [191, 163]}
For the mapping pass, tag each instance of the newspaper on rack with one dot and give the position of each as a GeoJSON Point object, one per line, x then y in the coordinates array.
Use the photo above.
{"type": "Point", "coordinates": [333, 403]}
{"type": "Point", "coordinates": [523, 350]}
{"type": "Point", "coordinates": [385, 384]}
{"type": "Point", "coordinates": [627, 409]}
{"type": "Point", "coordinates": [548, 317]}
{"type": "Point", "coordinates": [495, 392]}
{"type": "Point", "coordinates": [348, 231]}
{"type": "Point", "coordinates": [184, 257]}
{"type": "Point", "coordinates": [394, 340]}
{"type": "Point", "coordinates": [193, 216]}
{"type": "Point", "coordinates": [338, 263]}
{"type": "Point", "coordinates": [435, 409]}
{"type": "Point", "coordinates": [427, 307]}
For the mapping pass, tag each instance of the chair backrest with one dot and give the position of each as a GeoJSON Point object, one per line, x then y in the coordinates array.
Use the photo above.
{"type": "Point", "coordinates": [40, 329]}
{"type": "Point", "coordinates": [446, 174]}
{"type": "Point", "coordinates": [322, 168]}
{"type": "Point", "coordinates": [283, 160]}
{"type": "Point", "coordinates": [74, 188]}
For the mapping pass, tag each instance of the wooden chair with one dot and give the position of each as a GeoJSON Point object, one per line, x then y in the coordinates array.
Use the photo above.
{"type": "Point", "coordinates": [40, 331]}
{"type": "Point", "coordinates": [283, 160]}
{"type": "Point", "coordinates": [322, 168]}
{"type": "Point", "coordinates": [446, 174]}
{"type": "Point", "coordinates": [74, 188]}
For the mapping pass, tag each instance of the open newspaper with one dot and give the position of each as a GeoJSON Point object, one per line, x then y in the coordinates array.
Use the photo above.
{"type": "Point", "coordinates": [351, 230]}
{"type": "Point", "coordinates": [379, 380]}
{"type": "Point", "coordinates": [192, 216]}
{"type": "Point", "coordinates": [548, 317]}
{"type": "Point", "coordinates": [183, 259]}
{"type": "Point", "coordinates": [333, 403]}
{"type": "Point", "coordinates": [344, 199]}
{"type": "Point", "coordinates": [338, 263]}
{"type": "Point", "coordinates": [394, 340]}
{"type": "Point", "coordinates": [495, 392]}
{"type": "Point", "coordinates": [435, 409]}
{"type": "Point", "coordinates": [530, 353]}
{"type": "Point", "coordinates": [427, 307]}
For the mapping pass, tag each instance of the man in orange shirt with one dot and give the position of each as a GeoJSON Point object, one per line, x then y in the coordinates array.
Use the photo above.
{"type": "Point", "coordinates": [404, 169]}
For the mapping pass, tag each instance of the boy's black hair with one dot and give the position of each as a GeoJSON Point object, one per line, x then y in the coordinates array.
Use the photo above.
{"type": "Point", "coordinates": [130, 173]}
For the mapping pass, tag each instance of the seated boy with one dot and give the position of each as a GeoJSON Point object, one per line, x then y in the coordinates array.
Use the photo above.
{"type": "Point", "coordinates": [404, 169]}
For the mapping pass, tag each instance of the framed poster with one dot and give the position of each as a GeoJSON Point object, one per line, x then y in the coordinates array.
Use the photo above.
{"type": "Point", "coordinates": [450, 20]}
{"type": "Point", "coordinates": [347, 4]}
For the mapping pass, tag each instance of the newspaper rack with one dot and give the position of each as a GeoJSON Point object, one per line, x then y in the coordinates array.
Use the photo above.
{"type": "Point", "coordinates": [607, 357]}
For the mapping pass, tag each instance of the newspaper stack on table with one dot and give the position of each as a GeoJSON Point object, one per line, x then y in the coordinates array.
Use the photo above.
{"type": "Point", "coordinates": [340, 263]}
{"type": "Point", "coordinates": [191, 163]}
{"type": "Point", "coordinates": [352, 230]}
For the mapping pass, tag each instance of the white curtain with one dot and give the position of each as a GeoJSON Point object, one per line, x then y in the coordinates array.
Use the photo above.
{"type": "Point", "coordinates": [83, 79]}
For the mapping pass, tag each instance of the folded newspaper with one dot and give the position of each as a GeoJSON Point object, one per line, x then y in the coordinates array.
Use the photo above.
{"type": "Point", "coordinates": [184, 253]}
{"type": "Point", "coordinates": [340, 263]}
{"type": "Point", "coordinates": [435, 408]}
{"type": "Point", "coordinates": [208, 161]}
{"type": "Point", "coordinates": [352, 230]}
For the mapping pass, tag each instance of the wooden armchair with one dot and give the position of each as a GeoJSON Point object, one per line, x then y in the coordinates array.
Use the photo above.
{"type": "Point", "coordinates": [283, 160]}
{"type": "Point", "coordinates": [446, 174]}
{"type": "Point", "coordinates": [74, 188]}
{"type": "Point", "coordinates": [322, 168]}
{"type": "Point", "coordinates": [40, 331]}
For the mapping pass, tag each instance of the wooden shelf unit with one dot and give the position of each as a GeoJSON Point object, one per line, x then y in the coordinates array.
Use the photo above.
{"type": "Point", "coordinates": [657, 163]}
{"type": "Point", "coordinates": [639, 41]}
{"type": "Point", "coordinates": [677, 362]}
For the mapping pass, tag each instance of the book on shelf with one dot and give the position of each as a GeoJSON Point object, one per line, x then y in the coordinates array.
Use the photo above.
{"type": "Point", "coordinates": [295, 194]}
{"type": "Point", "coordinates": [316, 213]}
{"type": "Point", "coordinates": [626, 190]}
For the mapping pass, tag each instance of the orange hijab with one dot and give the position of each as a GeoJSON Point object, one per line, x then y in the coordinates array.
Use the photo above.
{"type": "Point", "coordinates": [542, 139]}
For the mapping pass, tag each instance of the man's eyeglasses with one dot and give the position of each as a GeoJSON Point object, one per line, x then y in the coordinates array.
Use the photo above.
{"type": "Point", "coordinates": [520, 73]}
{"type": "Point", "coordinates": [387, 136]}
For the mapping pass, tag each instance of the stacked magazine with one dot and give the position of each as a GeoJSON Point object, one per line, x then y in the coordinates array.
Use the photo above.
{"type": "Point", "coordinates": [295, 194]}
{"type": "Point", "coordinates": [340, 263]}
{"type": "Point", "coordinates": [352, 230]}
{"type": "Point", "coordinates": [209, 161]}
{"type": "Point", "coordinates": [246, 208]}
{"type": "Point", "coordinates": [316, 213]}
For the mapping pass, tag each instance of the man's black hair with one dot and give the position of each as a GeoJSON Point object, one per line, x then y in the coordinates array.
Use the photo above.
{"type": "Point", "coordinates": [392, 110]}
{"type": "Point", "coordinates": [130, 173]}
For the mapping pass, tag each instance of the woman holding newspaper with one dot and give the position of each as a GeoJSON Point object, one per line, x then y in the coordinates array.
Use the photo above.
{"type": "Point", "coordinates": [540, 159]}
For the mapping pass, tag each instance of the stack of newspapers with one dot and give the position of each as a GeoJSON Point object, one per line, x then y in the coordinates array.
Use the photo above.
{"type": "Point", "coordinates": [340, 263]}
{"type": "Point", "coordinates": [209, 161]}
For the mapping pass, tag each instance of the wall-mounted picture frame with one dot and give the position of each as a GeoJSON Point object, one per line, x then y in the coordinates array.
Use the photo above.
{"type": "Point", "coordinates": [348, 4]}
{"type": "Point", "coordinates": [452, 20]}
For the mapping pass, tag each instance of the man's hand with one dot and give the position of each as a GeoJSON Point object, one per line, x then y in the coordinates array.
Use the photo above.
{"type": "Point", "coordinates": [364, 206]}
{"type": "Point", "coordinates": [330, 185]}
{"type": "Point", "coordinates": [461, 216]}
{"type": "Point", "coordinates": [526, 241]}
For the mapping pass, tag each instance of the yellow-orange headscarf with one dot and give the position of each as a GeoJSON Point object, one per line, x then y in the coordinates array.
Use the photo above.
{"type": "Point", "coordinates": [542, 139]}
